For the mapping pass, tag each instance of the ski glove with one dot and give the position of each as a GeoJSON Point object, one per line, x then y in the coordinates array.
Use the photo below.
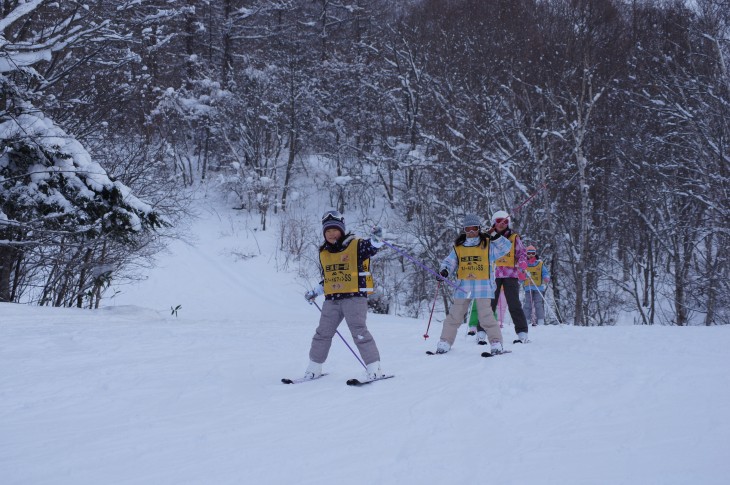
{"type": "Point", "coordinates": [521, 276]}
{"type": "Point", "coordinates": [444, 272]}
{"type": "Point", "coordinates": [523, 265]}
{"type": "Point", "coordinates": [310, 295]}
{"type": "Point", "coordinates": [376, 234]}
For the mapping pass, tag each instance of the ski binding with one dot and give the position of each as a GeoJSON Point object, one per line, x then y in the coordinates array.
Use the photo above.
{"type": "Point", "coordinates": [358, 382]}
{"type": "Point", "coordinates": [489, 354]}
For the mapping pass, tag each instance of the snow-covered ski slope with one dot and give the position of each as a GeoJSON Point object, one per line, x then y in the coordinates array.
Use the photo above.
{"type": "Point", "coordinates": [131, 394]}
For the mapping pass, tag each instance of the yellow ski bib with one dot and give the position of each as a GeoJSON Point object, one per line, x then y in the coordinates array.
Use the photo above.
{"type": "Point", "coordinates": [341, 273]}
{"type": "Point", "coordinates": [473, 262]}
{"type": "Point", "coordinates": [535, 274]}
{"type": "Point", "coordinates": [509, 258]}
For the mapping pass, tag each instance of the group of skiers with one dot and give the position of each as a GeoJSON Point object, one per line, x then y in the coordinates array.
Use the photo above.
{"type": "Point", "coordinates": [482, 263]}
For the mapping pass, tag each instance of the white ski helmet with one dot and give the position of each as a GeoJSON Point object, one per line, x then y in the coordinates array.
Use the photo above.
{"type": "Point", "coordinates": [501, 215]}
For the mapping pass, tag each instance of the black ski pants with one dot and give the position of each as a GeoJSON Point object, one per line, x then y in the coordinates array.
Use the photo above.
{"type": "Point", "coordinates": [511, 287]}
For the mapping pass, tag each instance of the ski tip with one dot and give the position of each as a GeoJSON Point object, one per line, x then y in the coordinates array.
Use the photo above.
{"type": "Point", "coordinates": [354, 382]}
{"type": "Point", "coordinates": [430, 352]}
{"type": "Point", "coordinates": [302, 379]}
{"type": "Point", "coordinates": [486, 354]}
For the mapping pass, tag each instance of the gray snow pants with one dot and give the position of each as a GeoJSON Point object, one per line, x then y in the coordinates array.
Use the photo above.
{"type": "Point", "coordinates": [534, 300]}
{"type": "Point", "coordinates": [354, 311]}
{"type": "Point", "coordinates": [456, 317]}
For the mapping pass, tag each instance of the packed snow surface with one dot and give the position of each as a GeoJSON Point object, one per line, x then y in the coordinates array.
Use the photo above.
{"type": "Point", "coordinates": [134, 394]}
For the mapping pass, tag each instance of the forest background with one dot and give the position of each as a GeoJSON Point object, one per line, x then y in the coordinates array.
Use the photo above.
{"type": "Point", "coordinates": [601, 126]}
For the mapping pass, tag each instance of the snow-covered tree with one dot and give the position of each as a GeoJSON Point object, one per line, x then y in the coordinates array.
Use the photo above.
{"type": "Point", "coordinates": [60, 213]}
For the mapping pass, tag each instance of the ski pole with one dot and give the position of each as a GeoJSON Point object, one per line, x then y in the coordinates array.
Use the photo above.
{"type": "Point", "coordinates": [501, 302]}
{"type": "Point", "coordinates": [533, 312]}
{"type": "Point", "coordinates": [555, 310]}
{"type": "Point", "coordinates": [532, 300]}
{"type": "Point", "coordinates": [472, 307]}
{"type": "Point", "coordinates": [425, 335]}
{"type": "Point", "coordinates": [343, 339]}
{"type": "Point", "coordinates": [423, 266]}
{"type": "Point", "coordinates": [540, 189]}
{"type": "Point", "coordinates": [547, 304]}
{"type": "Point", "coordinates": [544, 299]}
{"type": "Point", "coordinates": [515, 209]}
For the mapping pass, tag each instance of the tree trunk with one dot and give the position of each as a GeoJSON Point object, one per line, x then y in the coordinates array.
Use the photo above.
{"type": "Point", "coordinates": [680, 309]}
{"type": "Point", "coordinates": [227, 56]}
{"type": "Point", "coordinates": [83, 276]}
{"type": "Point", "coordinates": [7, 260]}
{"type": "Point", "coordinates": [582, 243]}
{"type": "Point", "coordinates": [652, 283]}
{"type": "Point", "coordinates": [289, 166]}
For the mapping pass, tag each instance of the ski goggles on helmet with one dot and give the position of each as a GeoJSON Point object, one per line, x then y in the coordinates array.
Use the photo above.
{"type": "Point", "coordinates": [531, 254]}
{"type": "Point", "coordinates": [332, 216]}
{"type": "Point", "coordinates": [500, 220]}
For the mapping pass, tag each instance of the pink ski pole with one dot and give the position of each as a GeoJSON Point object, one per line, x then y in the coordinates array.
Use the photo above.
{"type": "Point", "coordinates": [425, 335]}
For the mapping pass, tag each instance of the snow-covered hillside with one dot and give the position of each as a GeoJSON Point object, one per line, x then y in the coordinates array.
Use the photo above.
{"type": "Point", "coordinates": [131, 394]}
